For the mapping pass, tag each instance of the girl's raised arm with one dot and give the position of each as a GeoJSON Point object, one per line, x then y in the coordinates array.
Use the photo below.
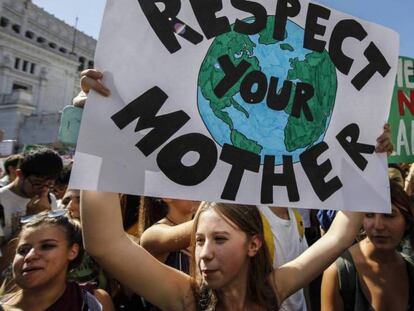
{"type": "Point", "coordinates": [297, 273]}
{"type": "Point", "coordinates": [128, 262]}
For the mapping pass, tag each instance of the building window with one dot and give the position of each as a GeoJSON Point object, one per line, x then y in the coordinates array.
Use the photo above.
{"type": "Point", "coordinates": [41, 40]}
{"type": "Point", "coordinates": [90, 64]}
{"type": "Point", "coordinates": [63, 50]}
{"type": "Point", "coordinates": [4, 22]}
{"type": "Point", "coordinates": [82, 61]}
{"type": "Point", "coordinates": [52, 45]}
{"type": "Point", "coordinates": [29, 34]}
{"type": "Point", "coordinates": [32, 68]}
{"type": "Point", "coordinates": [25, 65]}
{"type": "Point", "coordinates": [16, 28]}
{"type": "Point", "coordinates": [17, 86]}
{"type": "Point", "coordinates": [17, 63]}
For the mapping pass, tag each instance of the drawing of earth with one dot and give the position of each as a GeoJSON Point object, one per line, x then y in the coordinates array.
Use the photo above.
{"type": "Point", "coordinates": [256, 127]}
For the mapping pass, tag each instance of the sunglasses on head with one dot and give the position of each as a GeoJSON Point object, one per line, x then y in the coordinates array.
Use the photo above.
{"type": "Point", "coordinates": [51, 214]}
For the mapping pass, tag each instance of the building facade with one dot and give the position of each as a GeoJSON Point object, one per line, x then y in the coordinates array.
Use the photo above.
{"type": "Point", "coordinates": [40, 60]}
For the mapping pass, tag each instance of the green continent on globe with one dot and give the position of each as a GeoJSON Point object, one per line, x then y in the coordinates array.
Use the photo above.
{"type": "Point", "coordinates": [242, 142]}
{"type": "Point", "coordinates": [266, 35]}
{"type": "Point", "coordinates": [286, 47]}
{"type": "Point", "coordinates": [238, 47]}
{"type": "Point", "coordinates": [318, 70]}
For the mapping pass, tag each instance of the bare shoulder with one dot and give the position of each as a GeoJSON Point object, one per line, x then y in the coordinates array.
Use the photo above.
{"type": "Point", "coordinates": [331, 272]}
{"type": "Point", "coordinates": [105, 300]}
{"type": "Point", "coordinates": [331, 299]}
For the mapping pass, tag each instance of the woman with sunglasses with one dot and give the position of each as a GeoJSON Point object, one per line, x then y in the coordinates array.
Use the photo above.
{"type": "Point", "coordinates": [49, 246]}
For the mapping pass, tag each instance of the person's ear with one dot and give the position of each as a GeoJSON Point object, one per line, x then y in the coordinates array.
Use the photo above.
{"type": "Point", "coordinates": [254, 245]}
{"type": "Point", "coordinates": [73, 252]}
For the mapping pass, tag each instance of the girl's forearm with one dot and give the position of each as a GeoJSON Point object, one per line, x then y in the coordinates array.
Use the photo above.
{"type": "Point", "coordinates": [101, 221]}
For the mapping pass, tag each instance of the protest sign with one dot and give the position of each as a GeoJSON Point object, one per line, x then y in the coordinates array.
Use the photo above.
{"type": "Point", "coordinates": [402, 112]}
{"type": "Point", "coordinates": [270, 102]}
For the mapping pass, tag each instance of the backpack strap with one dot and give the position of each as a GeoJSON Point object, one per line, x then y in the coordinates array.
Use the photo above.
{"type": "Point", "coordinates": [347, 280]}
{"type": "Point", "coordinates": [408, 259]}
{"type": "Point", "coordinates": [90, 302]}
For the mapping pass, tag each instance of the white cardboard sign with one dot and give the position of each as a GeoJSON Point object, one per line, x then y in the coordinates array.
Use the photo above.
{"type": "Point", "coordinates": [255, 102]}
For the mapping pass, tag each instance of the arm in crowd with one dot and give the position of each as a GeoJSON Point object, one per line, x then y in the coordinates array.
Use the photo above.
{"type": "Point", "coordinates": [163, 239]}
{"type": "Point", "coordinates": [128, 262]}
{"type": "Point", "coordinates": [298, 273]}
{"type": "Point", "coordinates": [105, 300]}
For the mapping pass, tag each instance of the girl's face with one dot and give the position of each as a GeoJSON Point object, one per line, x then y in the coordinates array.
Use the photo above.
{"type": "Point", "coordinates": [385, 231]}
{"type": "Point", "coordinates": [42, 257]}
{"type": "Point", "coordinates": [222, 251]}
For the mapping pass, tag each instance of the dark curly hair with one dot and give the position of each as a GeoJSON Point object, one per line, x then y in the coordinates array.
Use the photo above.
{"type": "Point", "coordinates": [43, 162]}
{"type": "Point", "coordinates": [402, 201]}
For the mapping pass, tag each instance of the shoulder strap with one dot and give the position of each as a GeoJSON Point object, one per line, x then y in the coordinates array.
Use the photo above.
{"type": "Point", "coordinates": [408, 259]}
{"type": "Point", "coordinates": [347, 280]}
{"type": "Point", "coordinates": [410, 266]}
{"type": "Point", "coordinates": [91, 303]}
{"type": "Point", "coordinates": [299, 223]}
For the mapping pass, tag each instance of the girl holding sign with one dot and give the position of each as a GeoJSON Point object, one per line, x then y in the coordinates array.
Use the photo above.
{"type": "Point", "coordinates": [231, 267]}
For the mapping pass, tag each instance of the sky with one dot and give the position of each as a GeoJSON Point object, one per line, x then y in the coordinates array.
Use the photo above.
{"type": "Point", "coordinates": [395, 14]}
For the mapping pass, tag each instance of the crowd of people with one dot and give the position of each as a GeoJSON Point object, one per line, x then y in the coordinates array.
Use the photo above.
{"type": "Point", "coordinates": [66, 249]}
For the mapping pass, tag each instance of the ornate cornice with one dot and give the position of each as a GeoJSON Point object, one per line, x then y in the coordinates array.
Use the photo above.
{"type": "Point", "coordinates": [14, 43]}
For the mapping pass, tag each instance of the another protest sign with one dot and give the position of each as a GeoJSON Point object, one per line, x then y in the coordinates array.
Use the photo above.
{"type": "Point", "coordinates": [270, 102]}
{"type": "Point", "coordinates": [402, 113]}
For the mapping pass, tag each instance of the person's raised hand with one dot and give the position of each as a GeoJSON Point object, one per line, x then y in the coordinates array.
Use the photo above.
{"type": "Point", "coordinates": [384, 143]}
{"type": "Point", "coordinates": [90, 79]}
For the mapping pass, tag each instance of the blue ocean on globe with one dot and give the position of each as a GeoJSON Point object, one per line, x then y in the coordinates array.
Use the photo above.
{"type": "Point", "coordinates": [264, 125]}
